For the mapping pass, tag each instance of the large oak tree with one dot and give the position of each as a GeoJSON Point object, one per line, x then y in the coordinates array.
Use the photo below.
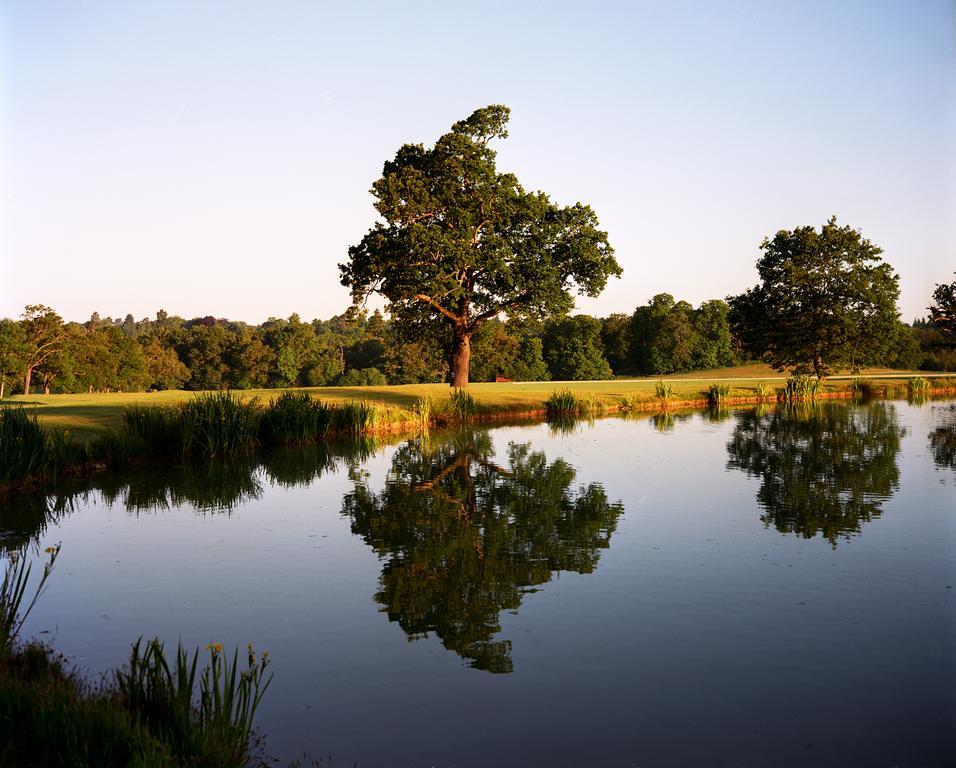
{"type": "Point", "coordinates": [461, 243]}
{"type": "Point", "coordinates": [826, 301]}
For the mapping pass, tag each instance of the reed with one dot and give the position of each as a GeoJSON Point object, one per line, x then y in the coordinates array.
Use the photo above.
{"type": "Point", "coordinates": [765, 391]}
{"type": "Point", "coordinates": [663, 390]}
{"type": "Point", "coordinates": [160, 429]}
{"type": "Point", "coordinates": [562, 404]}
{"type": "Point", "coordinates": [423, 412]}
{"type": "Point", "coordinates": [294, 418]}
{"type": "Point", "coordinates": [463, 408]}
{"type": "Point", "coordinates": [219, 423]}
{"type": "Point", "coordinates": [355, 418]}
{"type": "Point", "coordinates": [215, 718]}
{"type": "Point", "coordinates": [917, 388]}
{"type": "Point", "coordinates": [717, 395]}
{"type": "Point", "coordinates": [27, 450]}
{"type": "Point", "coordinates": [13, 591]}
{"type": "Point", "coordinates": [801, 388]}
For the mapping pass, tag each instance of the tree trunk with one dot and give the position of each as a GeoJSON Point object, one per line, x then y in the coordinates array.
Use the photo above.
{"type": "Point", "coordinates": [460, 358]}
{"type": "Point", "coordinates": [26, 380]}
{"type": "Point", "coordinates": [3, 386]}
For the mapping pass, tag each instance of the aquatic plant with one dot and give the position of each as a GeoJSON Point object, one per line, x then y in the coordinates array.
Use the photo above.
{"type": "Point", "coordinates": [354, 418]}
{"type": "Point", "coordinates": [164, 697]}
{"type": "Point", "coordinates": [219, 423]}
{"type": "Point", "coordinates": [717, 394]}
{"type": "Point", "coordinates": [160, 429]}
{"type": "Point", "coordinates": [801, 388]}
{"type": "Point", "coordinates": [764, 391]}
{"type": "Point", "coordinates": [663, 391]}
{"type": "Point", "coordinates": [13, 590]}
{"type": "Point", "coordinates": [563, 403]}
{"type": "Point", "coordinates": [462, 406]}
{"type": "Point", "coordinates": [917, 388]}
{"type": "Point", "coordinates": [294, 417]}
{"type": "Point", "coordinates": [423, 411]}
{"type": "Point", "coordinates": [26, 449]}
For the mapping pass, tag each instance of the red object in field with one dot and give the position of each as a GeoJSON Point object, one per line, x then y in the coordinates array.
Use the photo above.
{"type": "Point", "coordinates": [500, 379]}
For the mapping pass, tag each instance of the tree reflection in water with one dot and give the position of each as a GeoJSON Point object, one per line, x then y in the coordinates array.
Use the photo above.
{"type": "Point", "coordinates": [466, 537]}
{"type": "Point", "coordinates": [942, 440]}
{"type": "Point", "coordinates": [824, 468]}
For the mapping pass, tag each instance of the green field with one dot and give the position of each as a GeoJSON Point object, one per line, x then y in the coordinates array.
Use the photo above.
{"type": "Point", "coordinates": [86, 414]}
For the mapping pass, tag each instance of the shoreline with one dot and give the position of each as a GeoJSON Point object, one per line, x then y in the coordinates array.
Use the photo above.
{"type": "Point", "coordinates": [393, 425]}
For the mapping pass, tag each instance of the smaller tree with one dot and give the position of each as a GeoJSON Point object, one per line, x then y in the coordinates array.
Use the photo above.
{"type": "Point", "coordinates": [826, 300]}
{"type": "Point", "coordinates": [943, 310]}
{"type": "Point", "coordinates": [44, 333]}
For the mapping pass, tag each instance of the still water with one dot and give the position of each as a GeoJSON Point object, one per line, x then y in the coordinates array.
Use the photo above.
{"type": "Point", "coordinates": [751, 588]}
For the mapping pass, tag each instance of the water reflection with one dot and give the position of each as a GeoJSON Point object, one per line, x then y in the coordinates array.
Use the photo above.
{"type": "Point", "coordinates": [824, 469]}
{"type": "Point", "coordinates": [942, 440]}
{"type": "Point", "coordinates": [466, 536]}
{"type": "Point", "coordinates": [219, 487]}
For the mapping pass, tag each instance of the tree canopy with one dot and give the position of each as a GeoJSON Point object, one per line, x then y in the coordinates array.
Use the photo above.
{"type": "Point", "coordinates": [461, 242]}
{"type": "Point", "coordinates": [826, 301]}
{"type": "Point", "coordinates": [943, 310]}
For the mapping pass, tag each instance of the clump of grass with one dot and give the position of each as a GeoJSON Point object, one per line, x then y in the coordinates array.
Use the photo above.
{"type": "Point", "coordinates": [294, 417]}
{"type": "Point", "coordinates": [864, 389]}
{"type": "Point", "coordinates": [27, 450]}
{"type": "Point", "coordinates": [160, 429]}
{"type": "Point", "coordinates": [562, 404]}
{"type": "Point", "coordinates": [717, 394]}
{"type": "Point", "coordinates": [462, 407]}
{"type": "Point", "coordinates": [629, 404]}
{"type": "Point", "coordinates": [801, 388]}
{"type": "Point", "coordinates": [114, 448]}
{"type": "Point", "coordinates": [917, 388]}
{"type": "Point", "coordinates": [219, 423]}
{"type": "Point", "coordinates": [164, 698]}
{"type": "Point", "coordinates": [355, 418]}
{"type": "Point", "coordinates": [423, 412]}
{"type": "Point", "coordinates": [663, 390]}
{"type": "Point", "coordinates": [765, 391]}
{"type": "Point", "coordinates": [13, 591]}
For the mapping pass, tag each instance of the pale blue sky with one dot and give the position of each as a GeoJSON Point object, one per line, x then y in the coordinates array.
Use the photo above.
{"type": "Point", "coordinates": [215, 158]}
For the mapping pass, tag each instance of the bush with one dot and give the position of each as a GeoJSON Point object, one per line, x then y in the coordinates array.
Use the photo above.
{"type": "Point", "coordinates": [362, 377]}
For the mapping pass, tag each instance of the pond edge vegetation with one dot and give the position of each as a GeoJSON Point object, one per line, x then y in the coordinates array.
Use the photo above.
{"type": "Point", "coordinates": [217, 424]}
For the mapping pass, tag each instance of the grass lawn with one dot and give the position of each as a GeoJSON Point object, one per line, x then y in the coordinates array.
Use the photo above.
{"type": "Point", "coordinates": [86, 414]}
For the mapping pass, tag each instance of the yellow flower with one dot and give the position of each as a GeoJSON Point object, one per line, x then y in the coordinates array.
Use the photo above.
{"type": "Point", "coordinates": [214, 647]}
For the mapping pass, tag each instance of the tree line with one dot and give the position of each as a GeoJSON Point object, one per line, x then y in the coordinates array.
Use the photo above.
{"type": "Point", "coordinates": [40, 352]}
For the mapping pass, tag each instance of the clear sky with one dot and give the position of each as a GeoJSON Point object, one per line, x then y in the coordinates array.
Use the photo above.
{"type": "Point", "coordinates": [215, 157]}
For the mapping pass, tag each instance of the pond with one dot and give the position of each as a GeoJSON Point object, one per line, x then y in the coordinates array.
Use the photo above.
{"type": "Point", "coordinates": [756, 587]}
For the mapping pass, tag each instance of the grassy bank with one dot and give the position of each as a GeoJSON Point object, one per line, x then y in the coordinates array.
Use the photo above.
{"type": "Point", "coordinates": [123, 430]}
{"type": "Point", "coordinates": [83, 416]}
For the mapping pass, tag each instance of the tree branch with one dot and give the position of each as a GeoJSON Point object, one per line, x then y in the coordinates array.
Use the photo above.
{"type": "Point", "coordinates": [429, 300]}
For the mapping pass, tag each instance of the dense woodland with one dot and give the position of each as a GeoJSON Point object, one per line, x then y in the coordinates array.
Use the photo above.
{"type": "Point", "coordinates": [359, 348]}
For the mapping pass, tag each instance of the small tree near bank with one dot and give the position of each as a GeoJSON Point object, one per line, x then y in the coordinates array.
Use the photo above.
{"type": "Point", "coordinates": [826, 301]}
{"type": "Point", "coordinates": [463, 243]}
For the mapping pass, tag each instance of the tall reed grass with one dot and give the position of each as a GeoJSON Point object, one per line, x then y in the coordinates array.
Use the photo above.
{"type": "Point", "coordinates": [462, 407]}
{"type": "Point", "coordinates": [717, 394]}
{"type": "Point", "coordinates": [917, 388]}
{"type": "Point", "coordinates": [562, 403]}
{"type": "Point", "coordinates": [294, 417]}
{"type": "Point", "coordinates": [801, 388]}
{"type": "Point", "coordinates": [28, 450]}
